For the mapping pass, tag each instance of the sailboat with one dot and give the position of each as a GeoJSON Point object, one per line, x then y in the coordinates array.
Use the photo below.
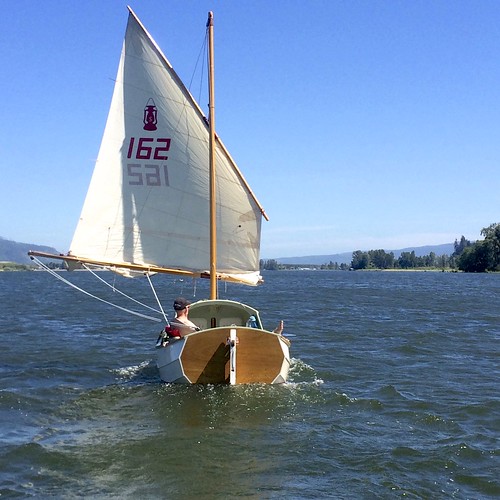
{"type": "Point", "coordinates": [167, 197]}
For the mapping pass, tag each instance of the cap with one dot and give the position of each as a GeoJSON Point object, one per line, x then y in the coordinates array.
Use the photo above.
{"type": "Point", "coordinates": [181, 303]}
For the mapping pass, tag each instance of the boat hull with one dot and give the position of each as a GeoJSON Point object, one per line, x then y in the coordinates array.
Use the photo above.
{"type": "Point", "coordinates": [210, 357]}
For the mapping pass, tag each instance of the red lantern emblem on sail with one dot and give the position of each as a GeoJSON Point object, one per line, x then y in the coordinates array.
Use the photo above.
{"type": "Point", "coordinates": [150, 115]}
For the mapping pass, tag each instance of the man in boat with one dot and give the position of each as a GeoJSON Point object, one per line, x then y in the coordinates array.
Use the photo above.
{"type": "Point", "coordinates": [181, 322]}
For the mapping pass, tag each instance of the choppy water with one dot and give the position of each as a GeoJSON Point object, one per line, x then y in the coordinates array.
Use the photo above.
{"type": "Point", "coordinates": [394, 392]}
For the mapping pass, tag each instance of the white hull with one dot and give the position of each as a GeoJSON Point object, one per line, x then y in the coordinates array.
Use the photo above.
{"type": "Point", "coordinates": [169, 363]}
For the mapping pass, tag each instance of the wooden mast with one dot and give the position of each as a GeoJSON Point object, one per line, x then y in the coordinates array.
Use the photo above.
{"type": "Point", "coordinates": [213, 209]}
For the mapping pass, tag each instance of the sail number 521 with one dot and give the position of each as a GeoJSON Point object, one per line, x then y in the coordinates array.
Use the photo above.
{"type": "Point", "coordinates": [147, 175]}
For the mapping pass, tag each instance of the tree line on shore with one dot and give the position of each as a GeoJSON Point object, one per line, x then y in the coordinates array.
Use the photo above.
{"type": "Point", "coordinates": [380, 259]}
{"type": "Point", "coordinates": [480, 256]}
{"type": "Point", "coordinates": [274, 265]}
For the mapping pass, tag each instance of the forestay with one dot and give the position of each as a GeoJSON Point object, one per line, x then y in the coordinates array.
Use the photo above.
{"type": "Point", "coordinates": [147, 203]}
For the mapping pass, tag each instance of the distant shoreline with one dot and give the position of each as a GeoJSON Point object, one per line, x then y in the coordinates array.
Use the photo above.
{"type": "Point", "coordinates": [6, 266]}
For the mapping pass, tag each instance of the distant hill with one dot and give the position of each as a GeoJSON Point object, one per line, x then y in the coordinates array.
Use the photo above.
{"type": "Point", "coordinates": [346, 257]}
{"type": "Point", "coordinates": [12, 251]}
{"type": "Point", "coordinates": [445, 249]}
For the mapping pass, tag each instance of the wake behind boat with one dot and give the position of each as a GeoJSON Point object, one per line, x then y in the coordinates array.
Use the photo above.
{"type": "Point", "coordinates": [166, 197]}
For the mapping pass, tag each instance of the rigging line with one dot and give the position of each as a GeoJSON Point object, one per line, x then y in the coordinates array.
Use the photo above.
{"type": "Point", "coordinates": [201, 52]}
{"type": "Point", "coordinates": [65, 281]}
{"type": "Point", "coordinates": [157, 299]}
{"type": "Point", "coordinates": [119, 291]}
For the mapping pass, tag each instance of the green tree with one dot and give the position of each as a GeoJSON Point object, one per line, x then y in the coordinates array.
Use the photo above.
{"type": "Point", "coordinates": [443, 261]}
{"type": "Point", "coordinates": [492, 240]}
{"type": "Point", "coordinates": [269, 265]}
{"type": "Point", "coordinates": [407, 260]}
{"type": "Point", "coordinates": [483, 255]}
{"type": "Point", "coordinates": [381, 259]}
{"type": "Point", "coordinates": [360, 260]}
{"type": "Point", "coordinates": [430, 260]}
{"type": "Point", "coordinates": [475, 259]}
{"type": "Point", "coordinates": [461, 246]}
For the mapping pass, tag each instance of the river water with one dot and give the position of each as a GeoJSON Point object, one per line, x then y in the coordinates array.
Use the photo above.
{"type": "Point", "coordinates": [394, 391]}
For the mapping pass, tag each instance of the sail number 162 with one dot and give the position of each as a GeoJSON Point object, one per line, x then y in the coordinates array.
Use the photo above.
{"type": "Point", "coordinates": [148, 148]}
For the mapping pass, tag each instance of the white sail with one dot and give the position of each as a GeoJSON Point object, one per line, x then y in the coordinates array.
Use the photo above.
{"type": "Point", "coordinates": [147, 203]}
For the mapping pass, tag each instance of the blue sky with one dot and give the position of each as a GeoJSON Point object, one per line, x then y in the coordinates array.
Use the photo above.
{"type": "Point", "coordinates": [359, 124]}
